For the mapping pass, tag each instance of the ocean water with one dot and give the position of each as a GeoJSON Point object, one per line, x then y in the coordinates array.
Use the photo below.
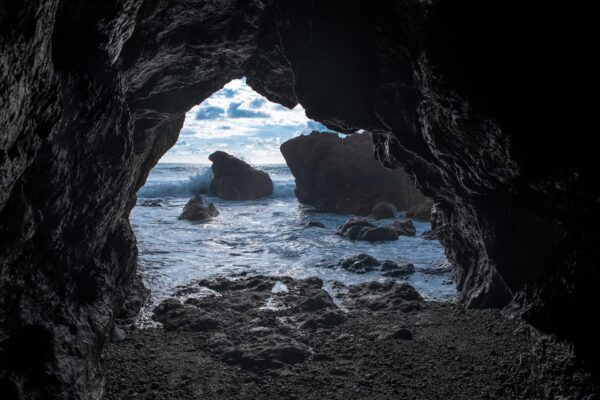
{"type": "Point", "coordinates": [267, 236]}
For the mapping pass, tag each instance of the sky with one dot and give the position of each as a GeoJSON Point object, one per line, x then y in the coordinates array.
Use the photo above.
{"type": "Point", "coordinates": [241, 122]}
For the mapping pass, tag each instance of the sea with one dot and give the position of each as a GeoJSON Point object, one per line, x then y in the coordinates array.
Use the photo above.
{"type": "Point", "coordinates": [268, 236]}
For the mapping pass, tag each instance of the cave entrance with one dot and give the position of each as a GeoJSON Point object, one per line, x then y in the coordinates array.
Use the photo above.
{"type": "Point", "coordinates": [275, 234]}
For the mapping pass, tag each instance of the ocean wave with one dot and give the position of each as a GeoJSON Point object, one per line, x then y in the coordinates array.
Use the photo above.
{"type": "Point", "coordinates": [283, 189]}
{"type": "Point", "coordinates": [195, 184]}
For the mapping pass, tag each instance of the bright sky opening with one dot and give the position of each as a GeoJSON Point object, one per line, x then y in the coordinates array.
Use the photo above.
{"type": "Point", "coordinates": [241, 122]}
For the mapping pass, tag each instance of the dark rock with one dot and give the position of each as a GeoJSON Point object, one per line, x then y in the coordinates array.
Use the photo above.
{"type": "Point", "coordinates": [359, 264]}
{"type": "Point", "coordinates": [429, 235]}
{"type": "Point", "coordinates": [400, 333]}
{"type": "Point", "coordinates": [95, 100]}
{"type": "Point", "coordinates": [360, 229]}
{"type": "Point", "coordinates": [421, 212]}
{"type": "Point", "coordinates": [195, 210]}
{"type": "Point", "coordinates": [234, 179]}
{"type": "Point", "coordinates": [403, 228]}
{"type": "Point", "coordinates": [316, 224]}
{"type": "Point", "coordinates": [441, 269]}
{"type": "Point", "coordinates": [152, 203]}
{"type": "Point", "coordinates": [317, 302]}
{"type": "Point", "coordinates": [391, 269]}
{"type": "Point", "coordinates": [340, 175]}
{"type": "Point", "coordinates": [383, 210]}
{"type": "Point", "coordinates": [384, 295]}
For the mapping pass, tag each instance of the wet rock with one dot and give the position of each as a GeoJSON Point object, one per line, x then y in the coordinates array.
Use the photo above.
{"type": "Point", "coordinates": [391, 269]}
{"type": "Point", "coordinates": [403, 228]}
{"type": "Point", "coordinates": [360, 229]}
{"type": "Point", "coordinates": [421, 212]}
{"type": "Point", "coordinates": [384, 295]}
{"type": "Point", "coordinates": [152, 203]}
{"type": "Point", "coordinates": [315, 224]}
{"type": "Point", "coordinates": [234, 179]}
{"type": "Point", "coordinates": [441, 269]}
{"type": "Point", "coordinates": [327, 319]}
{"type": "Point", "coordinates": [383, 210]}
{"type": "Point", "coordinates": [360, 264]}
{"type": "Point", "coordinates": [195, 210]}
{"type": "Point", "coordinates": [340, 175]}
{"type": "Point", "coordinates": [177, 316]}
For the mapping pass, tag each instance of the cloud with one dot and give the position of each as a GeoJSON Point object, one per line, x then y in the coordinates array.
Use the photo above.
{"type": "Point", "coordinates": [227, 92]}
{"type": "Point", "coordinates": [234, 111]}
{"type": "Point", "coordinates": [257, 102]}
{"type": "Point", "coordinates": [316, 126]}
{"type": "Point", "coordinates": [210, 112]}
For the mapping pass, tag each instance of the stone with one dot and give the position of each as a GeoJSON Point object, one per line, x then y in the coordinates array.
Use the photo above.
{"type": "Point", "coordinates": [315, 224]}
{"type": "Point", "coordinates": [360, 263]}
{"type": "Point", "coordinates": [383, 210]}
{"type": "Point", "coordinates": [421, 212]}
{"type": "Point", "coordinates": [340, 175]}
{"type": "Point", "coordinates": [152, 203]}
{"type": "Point", "coordinates": [195, 210]}
{"type": "Point", "coordinates": [403, 228]}
{"type": "Point", "coordinates": [429, 235]}
{"type": "Point", "coordinates": [234, 179]}
{"type": "Point", "coordinates": [360, 229]}
{"type": "Point", "coordinates": [391, 269]}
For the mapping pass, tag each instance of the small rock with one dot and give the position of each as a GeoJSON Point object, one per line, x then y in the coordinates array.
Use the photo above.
{"type": "Point", "coordinates": [360, 229]}
{"type": "Point", "coordinates": [315, 224]}
{"type": "Point", "coordinates": [152, 203]}
{"type": "Point", "coordinates": [403, 228]}
{"type": "Point", "coordinates": [359, 264]}
{"type": "Point", "coordinates": [195, 210]}
{"type": "Point", "coordinates": [429, 235]}
{"type": "Point", "coordinates": [391, 269]}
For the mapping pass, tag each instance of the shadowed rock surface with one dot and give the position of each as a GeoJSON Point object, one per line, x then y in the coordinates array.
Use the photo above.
{"type": "Point", "coordinates": [293, 342]}
{"type": "Point", "coordinates": [234, 179]}
{"type": "Point", "coordinates": [195, 210]}
{"type": "Point", "coordinates": [340, 175]}
{"type": "Point", "coordinates": [492, 122]}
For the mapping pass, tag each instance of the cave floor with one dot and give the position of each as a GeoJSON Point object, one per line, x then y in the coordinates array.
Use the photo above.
{"type": "Point", "coordinates": [432, 351]}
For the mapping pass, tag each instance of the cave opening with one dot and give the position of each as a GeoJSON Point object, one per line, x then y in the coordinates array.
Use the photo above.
{"type": "Point", "coordinates": [279, 233]}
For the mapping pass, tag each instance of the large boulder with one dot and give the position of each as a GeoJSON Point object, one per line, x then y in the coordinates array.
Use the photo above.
{"type": "Point", "coordinates": [421, 212]}
{"type": "Point", "coordinates": [342, 176]}
{"type": "Point", "coordinates": [235, 179]}
{"type": "Point", "coordinates": [195, 210]}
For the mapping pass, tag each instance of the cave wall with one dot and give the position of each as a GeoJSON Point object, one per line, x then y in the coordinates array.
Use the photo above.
{"type": "Point", "coordinates": [485, 103]}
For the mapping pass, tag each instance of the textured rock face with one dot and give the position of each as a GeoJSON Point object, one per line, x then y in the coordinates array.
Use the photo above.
{"type": "Point", "coordinates": [340, 175]}
{"type": "Point", "coordinates": [491, 121]}
{"type": "Point", "coordinates": [234, 179]}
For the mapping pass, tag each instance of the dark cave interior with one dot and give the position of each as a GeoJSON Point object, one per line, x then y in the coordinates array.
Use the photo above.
{"type": "Point", "coordinates": [486, 104]}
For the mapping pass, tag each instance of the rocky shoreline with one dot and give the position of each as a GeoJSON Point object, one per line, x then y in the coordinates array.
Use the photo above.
{"type": "Point", "coordinates": [263, 337]}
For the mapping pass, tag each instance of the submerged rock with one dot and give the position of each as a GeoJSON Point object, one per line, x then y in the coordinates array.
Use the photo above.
{"type": "Point", "coordinates": [360, 229]}
{"type": "Point", "coordinates": [403, 228]}
{"type": "Point", "coordinates": [195, 210]}
{"type": "Point", "coordinates": [341, 175]}
{"type": "Point", "coordinates": [152, 203]}
{"type": "Point", "coordinates": [315, 224]}
{"type": "Point", "coordinates": [391, 269]}
{"type": "Point", "coordinates": [429, 234]}
{"type": "Point", "coordinates": [234, 179]}
{"type": "Point", "coordinates": [360, 263]}
{"type": "Point", "coordinates": [383, 210]}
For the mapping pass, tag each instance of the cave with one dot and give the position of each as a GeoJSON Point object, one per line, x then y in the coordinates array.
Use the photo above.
{"type": "Point", "coordinates": [486, 104]}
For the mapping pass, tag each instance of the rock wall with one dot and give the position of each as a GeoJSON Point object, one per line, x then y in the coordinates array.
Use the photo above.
{"type": "Point", "coordinates": [486, 103]}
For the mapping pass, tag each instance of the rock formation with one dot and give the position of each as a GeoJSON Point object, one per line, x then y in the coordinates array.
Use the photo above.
{"type": "Point", "coordinates": [383, 210]}
{"type": "Point", "coordinates": [195, 210]}
{"type": "Point", "coordinates": [361, 229]}
{"type": "Point", "coordinates": [421, 212]}
{"type": "Point", "coordinates": [340, 175]}
{"type": "Point", "coordinates": [492, 122]}
{"type": "Point", "coordinates": [234, 179]}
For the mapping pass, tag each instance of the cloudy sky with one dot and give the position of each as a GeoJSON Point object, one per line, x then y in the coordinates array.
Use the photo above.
{"type": "Point", "coordinates": [241, 122]}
